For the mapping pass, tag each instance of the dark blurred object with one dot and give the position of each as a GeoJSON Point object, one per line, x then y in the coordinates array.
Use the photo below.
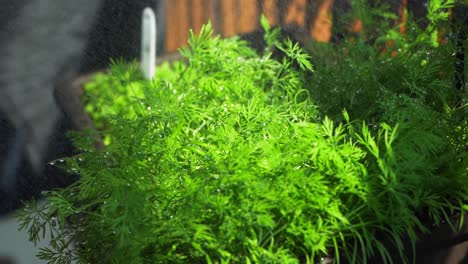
{"type": "Point", "coordinates": [18, 181]}
{"type": "Point", "coordinates": [13, 163]}
{"type": "Point", "coordinates": [37, 38]}
{"type": "Point", "coordinates": [46, 44]}
{"type": "Point", "coordinates": [6, 260]}
{"type": "Point", "coordinates": [116, 33]}
{"type": "Point", "coordinates": [442, 245]}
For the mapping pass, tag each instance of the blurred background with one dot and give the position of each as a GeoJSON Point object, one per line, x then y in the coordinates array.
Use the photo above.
{"type": "Point", "coordinates": [46, 44]}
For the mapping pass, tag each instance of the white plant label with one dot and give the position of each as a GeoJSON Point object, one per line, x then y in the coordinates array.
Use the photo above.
{"type": "Point", "coordinates": [148, 43]}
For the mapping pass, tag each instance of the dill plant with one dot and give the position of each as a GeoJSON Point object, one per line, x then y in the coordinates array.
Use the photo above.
{"type": "Point", "coordinates": [227, 159]}
{"type": "Point", "coordinates": [410, 84]}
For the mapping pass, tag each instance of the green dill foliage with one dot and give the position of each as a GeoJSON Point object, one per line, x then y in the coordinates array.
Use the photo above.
{"type": "Point", "coordinates": [437, 12]}
{"type": "Point", "coordinates": [423, 168]}
{"type": "Point", "coordinates": [124, 90]}
{"type": "Point", "coordinates": [227, 159]}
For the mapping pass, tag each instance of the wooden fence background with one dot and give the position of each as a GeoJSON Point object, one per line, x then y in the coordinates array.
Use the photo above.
{"type": "Point", "coordinates": [230, 17]}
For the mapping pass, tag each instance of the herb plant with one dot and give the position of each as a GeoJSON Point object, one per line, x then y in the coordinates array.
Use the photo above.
{"type": "Point", "coordinates": [410, 84]}
{"type": "Point", "coordinates": [234, 157]}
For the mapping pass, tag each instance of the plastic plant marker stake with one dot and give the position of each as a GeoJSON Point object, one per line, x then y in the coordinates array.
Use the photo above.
{"type": "Point", "coordinates": [148, 43]}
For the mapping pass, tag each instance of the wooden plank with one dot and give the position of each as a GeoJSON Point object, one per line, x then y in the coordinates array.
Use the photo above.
{"type": "Point", "coordinates": [322, 26]}
{"type": "Point", "coordinates": [248, 19]}
{"type": "Point", "coordinates": [203, 11]}
{"type": "Point", "coordinates": [216, 16]}
{"type": "Point", "coordinates": [199, 14]}
{"type": "Point", "coordinates": [295, 12]}
{"type": "Point", "coordinates": [211, 14]}
{"type": "Point", "coordinates": [229, 14]}
{"type": "Point", "coordinates": [270, 10]}
{"type": "Point", "coordinates": [170, 38]}
{"type": "Point", "coordinates": [183, 14]}
{"type": "Point", "coordinates": [177, 24]}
